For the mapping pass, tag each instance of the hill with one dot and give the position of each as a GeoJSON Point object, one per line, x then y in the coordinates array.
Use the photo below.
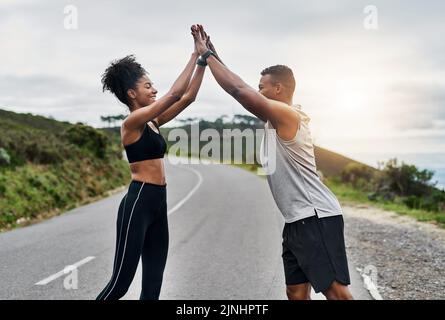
{"type": "Point", "coordinates": [48, 166]}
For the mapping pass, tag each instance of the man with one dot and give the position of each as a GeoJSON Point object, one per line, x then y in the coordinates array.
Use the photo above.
{"type": "Point", "coordinates": [313, 242]}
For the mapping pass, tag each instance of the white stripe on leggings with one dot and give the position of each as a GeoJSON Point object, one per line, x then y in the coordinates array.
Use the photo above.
{"type": "Point", "coordinates": [117, 249]}
{"type": "Point", "coordinates": [125, 244]}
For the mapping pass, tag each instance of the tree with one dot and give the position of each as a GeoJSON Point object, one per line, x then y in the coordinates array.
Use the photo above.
{"type": "Point", "coordinates": [106, 119]}
{"type": "Point", "coordinates": [113, 119]}
{"type": "Point", "coordinates": [187, 121]}
{"type": "Point", "coordinates": [406, 180]}
{"type": "Point", "coordinates": [247, 120]}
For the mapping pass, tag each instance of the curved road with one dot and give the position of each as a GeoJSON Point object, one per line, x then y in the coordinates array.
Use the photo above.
{"type": "Point", "coordinates": [225, 243]}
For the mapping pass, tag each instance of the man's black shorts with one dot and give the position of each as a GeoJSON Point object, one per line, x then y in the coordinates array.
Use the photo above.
{"type": "Point", "coordinates": [314, 251]}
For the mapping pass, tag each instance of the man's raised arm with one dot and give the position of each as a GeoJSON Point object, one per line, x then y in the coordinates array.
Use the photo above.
{"type": "Point", "coordinates": [250, 99]}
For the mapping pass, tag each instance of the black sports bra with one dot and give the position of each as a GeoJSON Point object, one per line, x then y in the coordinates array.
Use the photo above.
{"type": "Point", "coordinates": [151, 145]}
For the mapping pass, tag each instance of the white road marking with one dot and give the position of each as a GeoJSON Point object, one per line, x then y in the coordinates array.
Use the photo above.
{"type": "Point", "coordinates": [63, 272]}
{"type": "Point", "coordinates": [190, 194]}
{"type": "Point", "coordinates": [370, 286]}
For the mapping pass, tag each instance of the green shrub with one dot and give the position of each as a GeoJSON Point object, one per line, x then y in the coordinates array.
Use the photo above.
{"type": "Point", "coordinates": [88, 138]}
{"type": "Point", "coordinates": [406, 180]}
{"type": "Point", "coordinates": [358, 175]}
{"type": "Point", "coordinates": [44, 153]}
{"type": "Point", "coordinates": [433, 202]}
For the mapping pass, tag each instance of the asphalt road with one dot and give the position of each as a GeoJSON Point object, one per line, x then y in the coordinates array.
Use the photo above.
{"type": "Point", "coordinates": [225, 243]}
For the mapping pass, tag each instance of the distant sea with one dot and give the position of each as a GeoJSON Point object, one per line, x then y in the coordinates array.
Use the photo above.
{"type": "Point", "coordinates": [431, 161]}
{"type": "Point", "coordinates": [440, 177]}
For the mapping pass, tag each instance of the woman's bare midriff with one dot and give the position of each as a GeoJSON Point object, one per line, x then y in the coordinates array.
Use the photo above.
{"type": "Point", "coordinates": [149, 171]}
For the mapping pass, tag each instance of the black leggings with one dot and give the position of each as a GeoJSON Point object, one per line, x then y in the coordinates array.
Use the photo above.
{"type": "Point", "coordinates": [142, 229]}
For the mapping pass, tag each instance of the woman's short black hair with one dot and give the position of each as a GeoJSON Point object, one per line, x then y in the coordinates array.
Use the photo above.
{"type": "Point", "coordinates": [122, 75]}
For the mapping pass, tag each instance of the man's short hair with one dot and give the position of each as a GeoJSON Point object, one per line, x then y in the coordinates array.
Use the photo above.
{"type": "Point", "coordinates": [282, 74]}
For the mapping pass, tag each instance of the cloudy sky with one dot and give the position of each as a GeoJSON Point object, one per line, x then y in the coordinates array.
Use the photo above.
{"type": "Point", "coordinates": [368, 91]}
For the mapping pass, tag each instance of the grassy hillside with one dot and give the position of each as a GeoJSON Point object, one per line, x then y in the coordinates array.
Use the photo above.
{"type": "Point", "coordinates": [47, 166]}
{"type": "Point", "coordinates": [331, 163]}
{"type": "Point", "coordinates": [32, 121]}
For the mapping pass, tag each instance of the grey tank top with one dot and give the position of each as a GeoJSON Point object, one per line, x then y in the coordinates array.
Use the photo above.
{"type": "Point", "coordinates": [292, 174]}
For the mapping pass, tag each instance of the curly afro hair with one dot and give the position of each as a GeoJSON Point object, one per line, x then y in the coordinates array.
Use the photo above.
{"type": "Point", "coordinates": [122, 75]}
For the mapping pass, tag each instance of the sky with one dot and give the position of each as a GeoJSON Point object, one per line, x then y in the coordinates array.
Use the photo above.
{"type": "Point", "coordinates": [371, 93]}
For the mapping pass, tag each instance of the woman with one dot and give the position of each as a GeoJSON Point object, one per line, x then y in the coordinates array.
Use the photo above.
{"type": "Point", "coordinates": [142, 217]}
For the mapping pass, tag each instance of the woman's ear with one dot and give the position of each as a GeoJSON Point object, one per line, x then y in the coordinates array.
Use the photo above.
{"type": "Point", "coordinates": [131, 93]}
